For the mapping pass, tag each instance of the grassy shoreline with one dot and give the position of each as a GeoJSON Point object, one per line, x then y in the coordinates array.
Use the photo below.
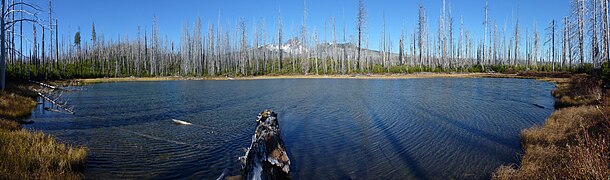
{"type": "Point", "coordinates": [573, 142]}
{"type": "Point", "coordinates": [26, 154]}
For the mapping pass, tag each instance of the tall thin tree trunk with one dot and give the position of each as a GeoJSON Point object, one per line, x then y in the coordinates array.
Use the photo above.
{"type": "Point", "coordinates": [2, 49]}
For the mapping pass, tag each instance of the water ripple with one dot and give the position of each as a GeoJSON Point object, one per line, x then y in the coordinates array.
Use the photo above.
{"type": "Point", "coordinates": [332, 128]}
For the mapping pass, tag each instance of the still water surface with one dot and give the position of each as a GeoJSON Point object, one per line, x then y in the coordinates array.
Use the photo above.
{"type": "Point", "coordinates": [333, 128]}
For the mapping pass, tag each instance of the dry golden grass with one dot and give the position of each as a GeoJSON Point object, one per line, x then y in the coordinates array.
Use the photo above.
{"type": "Point", "coordinates": [25, 155]}
{"type": "Point", "coordinates": [14, 106]}
{"type": "Point", "coordinates": [589, 158]}
{"type": "Point", "coordinates": [32, 155]}
{"type": "Point", "coordinates": [536, 164]}
{"type": "Point", "coordinates": [580, 90]}
{"type": "Point", "coordinates": [572, 143]}
{"type": "Point", "coordinates": [557, 74]}
{"type": "Point", "coordinates": [561, 125]}
{"type": "Point", "coordinates": [9, 125]}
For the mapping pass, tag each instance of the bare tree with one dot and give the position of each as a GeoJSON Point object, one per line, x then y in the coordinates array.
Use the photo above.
{"type": "Point", "coordinates": [605, 31]}
{"type": "Point", "coordinates": [344, 56]}
{"type": "Point", "coordinates": [279, 41]}
{"type": "Point", "coordinates": [264, 29]}
{"type": "Point", "coordinates": [212, 51]}
{"type": "Point", "coordinates": [516, 52]}
{"type": "Point", "coordinates": [243, 47]}
{"type": "Point", "coordinates": [551, 40]}
{"type": "Point", "coordinates": [255, 48]}
{"type": "Point", "coordinates": [401, 46]}
{"type": "Point", "coordinates": [536, 46]}
{"type": "Point", "coordinates": [461, 42]}
{"type": "Point", "coordinates": [593, 20]}
{"type": "Point", "coordinates": [361, 25]}
{"type": "Point", "coordinates": [51, 31]}
{"type": "Point", "coordinates": [578, 7]}
{"type": "Point", "coordinates": [304, 41]}
{"type": "Point", "coordinates": [382, 42]}
{"type": "Point", "coordinates": [155, 47]}
{"type": "Point", "coordinates": [486, 24]}
{"type": "Point", "coordinates": [451, 45]}
{"type": "Point", "coordinates": [315, 48]}
{"type": "Point", "coordinates": [564, 41]}
{"type": "Point", "coordinates": [421, 31]}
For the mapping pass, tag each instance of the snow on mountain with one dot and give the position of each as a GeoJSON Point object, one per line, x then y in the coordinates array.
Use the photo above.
{"type": "Point", "coordinates": [293, 46]}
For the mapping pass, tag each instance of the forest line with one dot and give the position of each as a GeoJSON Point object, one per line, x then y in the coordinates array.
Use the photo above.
{"type": "Point", "coordinates": [578, 42]}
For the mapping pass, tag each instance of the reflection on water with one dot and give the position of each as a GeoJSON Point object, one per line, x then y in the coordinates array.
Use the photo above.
{"type": "Point", "coordinates": [333, 128]}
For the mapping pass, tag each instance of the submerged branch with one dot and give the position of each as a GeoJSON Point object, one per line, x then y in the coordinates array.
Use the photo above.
{"type": "Point", "coordinates": [60, 105]}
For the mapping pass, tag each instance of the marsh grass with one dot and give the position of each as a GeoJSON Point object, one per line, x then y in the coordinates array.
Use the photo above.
{"type": "Point", "coordinates": [572, 144]}
{"type": "Point", "coordinates": [574, 141]}
{"type": "Point", "coordinates": [580, 90]}
{"type": "Point", "coordinates": [562, 125]}
{"type": "Point", "coordinates": [15, 106]}
{"type": "Point", "coordinates": [9, 125]}
{"type": "Point", "coordinates": [25, 155]}
{"type": "Point", "coordinates": [32, 155]}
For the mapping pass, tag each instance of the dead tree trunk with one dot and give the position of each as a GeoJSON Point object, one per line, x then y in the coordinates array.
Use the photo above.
{"type": "Point", "coordinates": [2, 49]}
{"type": "Point", "coordinates": [266, 158]}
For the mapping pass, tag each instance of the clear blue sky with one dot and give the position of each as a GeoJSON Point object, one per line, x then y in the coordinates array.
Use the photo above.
{"type": "Point", "coordinates": [114, 17]}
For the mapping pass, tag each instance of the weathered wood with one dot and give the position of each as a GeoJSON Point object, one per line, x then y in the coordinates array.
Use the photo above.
{"type": "Point", "coordinates": [69, 110]}
{"type": "Point", "coordinates": [44, 85]}
{"type": "Point", "coordinates": [267, 157]}
{"type": "Point", "coordinates": [180, 122]}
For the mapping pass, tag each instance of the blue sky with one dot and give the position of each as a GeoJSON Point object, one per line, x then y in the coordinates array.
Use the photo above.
{"type": "Point", "coordinates": [114, 17]}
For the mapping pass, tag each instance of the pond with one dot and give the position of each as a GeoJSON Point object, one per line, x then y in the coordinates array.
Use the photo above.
{"type": "Point", "coordinates": [435, 128]}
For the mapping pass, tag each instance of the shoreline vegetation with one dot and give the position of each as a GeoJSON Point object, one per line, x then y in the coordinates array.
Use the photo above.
{"type": "Point", "coordinates": [551, 77]}
{"type": "Point", "coordinates": [573, 143]}
{"type": "Point", "coordinates": [26, 154]}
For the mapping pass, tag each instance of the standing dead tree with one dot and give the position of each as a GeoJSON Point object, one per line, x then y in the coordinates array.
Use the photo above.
{"type": "Point", "coordinates": [279, 41]}
{"type": "Point", "coordinates": [421, 32]}
{"type": "Point", "coordinates": [551, 39]}
{"type": "Point", "coordinates": [516, 52]}
{"type": "Point", "coordinates": [578, 10]}
{"type": "Point", "coordinates": [6, 23]}
{"type": "Point", "coordinates": [605, 31]}
{"type": "Point", "coordinates": [593, 17]}
{"type": "Point", "coordinates": [564, 41]}
{"type": "Point", "coordinates": [486, 24]}
{"type": "Point", "coordinates": [361, 25]}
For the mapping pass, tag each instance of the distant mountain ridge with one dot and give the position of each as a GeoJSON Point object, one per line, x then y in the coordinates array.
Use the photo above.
{"type": "Point", "coordinates": [294, 46]}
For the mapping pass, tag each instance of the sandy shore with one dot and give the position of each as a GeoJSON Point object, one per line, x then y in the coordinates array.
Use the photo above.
{"type": "Point", "coordinates": [356, 76]}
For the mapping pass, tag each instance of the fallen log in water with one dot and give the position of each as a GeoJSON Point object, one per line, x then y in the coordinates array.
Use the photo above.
{"type": "Point", "coordinates": [266, 158]}
{"type": "Point", "coordinates": [60, 105]}
{"type": "Point", "coordinates": [180, 122]}
{"type": "Point", "coordinates": [47, 85]}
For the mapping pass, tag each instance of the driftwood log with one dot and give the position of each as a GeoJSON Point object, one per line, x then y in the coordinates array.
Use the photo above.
{"type": "Point", "coordinates": [266, 158]}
